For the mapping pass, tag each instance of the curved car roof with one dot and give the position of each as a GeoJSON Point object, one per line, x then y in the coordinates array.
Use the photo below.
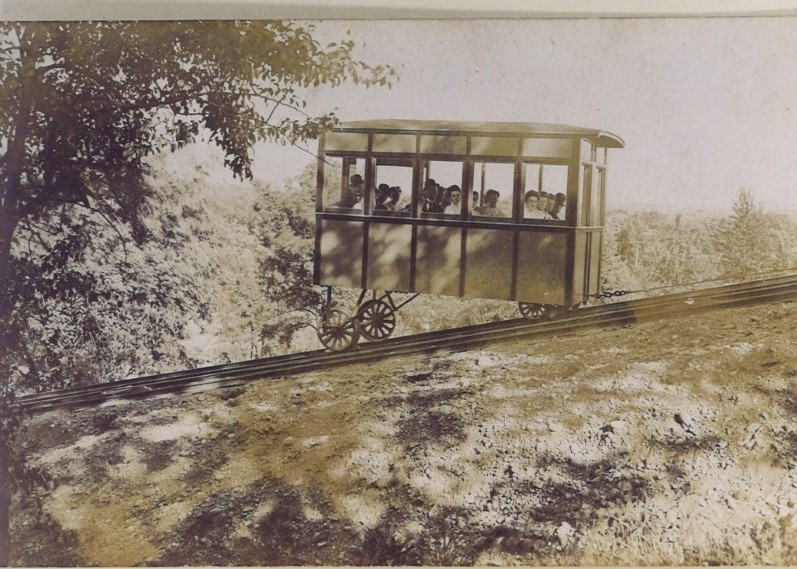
{"type": "Point", "coordinates": [396, 126]}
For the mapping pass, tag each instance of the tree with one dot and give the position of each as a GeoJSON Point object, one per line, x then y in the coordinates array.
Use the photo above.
{"type": "Point", "coordinates": [92, 304]}
{"type": "Point", "coordinates": [745, 242]}
{"type": "Point", "coordinates": [649, 250]}
{"type": "Point", "coordinates": [82, 106]}
{"type": "Point", "coordinates": [285, 227]}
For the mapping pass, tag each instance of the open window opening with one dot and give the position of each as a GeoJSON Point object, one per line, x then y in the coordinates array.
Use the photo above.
{"type": "Point", "coordinates": [441, 188]}
{"type": "Point", "coordinates": [393, 187]}
{"type": "Point", "coordinates": [545, 192]}
{"type": "Point", "coordinates": [344, 184]}
{"type": "Point", "coordinates": [493, 184]}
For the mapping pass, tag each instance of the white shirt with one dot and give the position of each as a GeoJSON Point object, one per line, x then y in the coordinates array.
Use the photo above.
{"type": "Point", "coordinates": [536, 214]}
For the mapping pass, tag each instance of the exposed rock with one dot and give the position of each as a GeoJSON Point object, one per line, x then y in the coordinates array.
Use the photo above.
{"type": "Point", "coordinates": [565, 533]}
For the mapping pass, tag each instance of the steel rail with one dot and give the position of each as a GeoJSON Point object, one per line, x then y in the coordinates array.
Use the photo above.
{"type": "Point", "coordinates": [606, 315]}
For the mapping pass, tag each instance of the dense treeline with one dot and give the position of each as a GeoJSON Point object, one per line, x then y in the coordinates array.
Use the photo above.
{"type": "Point", "coordinates": [648, 250]}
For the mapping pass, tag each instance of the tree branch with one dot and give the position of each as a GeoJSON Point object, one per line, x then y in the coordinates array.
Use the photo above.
{"type": "Point", "coordinates": [313, 154]}
{"type": "Point", "coordinates": [271, 114]}
{"type": "Point", "coordinates": [280, 102]}
{"type": "Point", "coordinates": [108, 221]}
{"type": "Point", "coordinates": [159, 103]}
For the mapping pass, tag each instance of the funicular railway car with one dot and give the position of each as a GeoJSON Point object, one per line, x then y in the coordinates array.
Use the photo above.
{"type": "Point", "coordinates": [454, 208]}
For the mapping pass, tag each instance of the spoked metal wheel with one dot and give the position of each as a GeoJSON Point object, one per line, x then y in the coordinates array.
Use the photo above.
{"type": "Point", "coordinates": [533, 311]}
{"type": "Point", "coordinates": [337, 331]}
{"type": "Point", "coordinates": [377, 320]}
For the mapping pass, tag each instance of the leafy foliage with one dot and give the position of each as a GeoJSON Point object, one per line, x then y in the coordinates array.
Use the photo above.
{"type": "Point", "coordinates": [654, 250]}
{"type": "Point", "coordinates": [96, 280]}
{"type": "Point", "coordinates": [285, 228]}
{"type": "Point", "coordinates": [648, 250]}
{"type": "Point", "coordinates": [92, 305]}
{"type": "Point", "coordinates": [82, 107]}
{"type": "Point", "coordinates": [748, 243]}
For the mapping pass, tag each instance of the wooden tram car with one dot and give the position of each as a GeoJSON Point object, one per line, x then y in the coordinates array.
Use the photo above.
{"type": "Point", "coordinates": [500, 252]}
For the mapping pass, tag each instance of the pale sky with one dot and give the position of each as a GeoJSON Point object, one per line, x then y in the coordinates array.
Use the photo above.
{"type": "Point", "coordinates": [705, 106]}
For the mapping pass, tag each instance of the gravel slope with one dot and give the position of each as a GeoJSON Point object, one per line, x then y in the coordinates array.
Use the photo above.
{"type": "Point", "coordinates": [670, 442]}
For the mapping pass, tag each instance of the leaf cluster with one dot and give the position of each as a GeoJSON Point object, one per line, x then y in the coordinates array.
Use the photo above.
{"type": "Point", "coordinates": [92, 305]}
{"type": "Point", "coordinates": [83, 104]}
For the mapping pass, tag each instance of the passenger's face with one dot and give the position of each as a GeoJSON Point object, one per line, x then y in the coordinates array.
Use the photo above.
{"type": "Point", "coordinates": [455, 197]}
{"type": "Point", "coordinates": [430, 192]}
{"type": "Point", "coordinates": [491, 200]}
{"type": "Point", "coordinates": [542, 203]}
{"type": "Point", "coordinates": [531, 203]}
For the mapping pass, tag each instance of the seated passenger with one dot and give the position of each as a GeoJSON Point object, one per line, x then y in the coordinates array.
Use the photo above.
{"type": "Point", "coordinates": [531, 210]}
{"type": "Point", "coordinates": [490, 207]}
{"type": "Point", "coordinates": [429, 199]}
{"type": "Point", "coordinates": [551, 203]}
{"type": "Point", "coordinates": [442, 200]}
{"type": "Point", "coordinates": [381, 197]}
{"type": "Point", "coordinates": [394, 195]}
{"type": "Point", "coordinates": [454, 200]}
{"type": "Point", "coordinates": [558, 210]}
{"type": "Point", "coordinates": [354, 194]}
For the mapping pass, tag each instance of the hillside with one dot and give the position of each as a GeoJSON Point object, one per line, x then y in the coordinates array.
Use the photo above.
{"type": "Point", "coordinates": [671, 442]}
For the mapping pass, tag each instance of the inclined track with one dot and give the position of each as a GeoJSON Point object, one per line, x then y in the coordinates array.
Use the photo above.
{"type": "Point", "coordinates": [594, 317]}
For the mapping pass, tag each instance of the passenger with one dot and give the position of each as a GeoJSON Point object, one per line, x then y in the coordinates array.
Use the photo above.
{"type": "Point", "coordinates": [551, 203]}
{"type": "Point", "coordinates": [474, 202]}
{"type": "Point", "coordinates": [394, 195]}
{"type": "Point", "coordinates": [443, 198]}
{"type": "Point", "coordinates": [531, 210]}
{"type": "Point", "coordinates": [429, 199]}
{"type": "Point", "coordinates": [490, 207]}
{"type": "Point", "coordinates": [354, 194]}
{"type": "Point", "coordinates": [454, 200]}
{"type": "Point", "coordinates": [542, 205]}
{"type": "Point", "coordinates": [381, 197]}
{"type": "Point", "coordinates": [558, 211]}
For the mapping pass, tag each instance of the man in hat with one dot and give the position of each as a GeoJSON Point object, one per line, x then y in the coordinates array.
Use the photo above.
{"type": "Point", "coordinates": [429, 202]}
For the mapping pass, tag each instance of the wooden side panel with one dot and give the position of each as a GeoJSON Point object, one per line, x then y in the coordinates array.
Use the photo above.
{"type": "Point", "coordinates": [494, 146]}
{"type": "Point", "coordinates": [580, 261]}
{"type": "Point", "coordinates": [431, 144]}
{"type": "Point", "coordinates": [389, 256]}
{"type": "Point", "coordinates": [542, 267]}
{"type": "Point", "coordinates": [547, 147]}
{"type": "Point", "coordinates": [403, 143]}
{"type": "Point", "coordinates": [595, 262]}
{"type": "Point", "coordinates": [488, 264]}
{"type": "Point", "coordinates": [346, 142]}
{"type": "Point", "coordinates": [341, 252]}
{"type": "Point", "coordinates": [437, 263]}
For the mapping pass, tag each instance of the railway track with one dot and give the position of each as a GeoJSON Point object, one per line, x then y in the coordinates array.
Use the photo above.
{"type": "Point", "coordinates": [602, 316]}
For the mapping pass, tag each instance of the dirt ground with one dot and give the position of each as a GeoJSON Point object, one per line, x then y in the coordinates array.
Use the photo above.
{"type": "Point", "coordinates": [670, 442]}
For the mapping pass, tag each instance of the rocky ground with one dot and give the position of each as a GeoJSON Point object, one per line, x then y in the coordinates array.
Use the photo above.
{"type": "Point", "coordinates": [670, 442]}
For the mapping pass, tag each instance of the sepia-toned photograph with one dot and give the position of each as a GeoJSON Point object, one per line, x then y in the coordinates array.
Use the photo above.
{"type": "Point", "coordinates": [398, 292]}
